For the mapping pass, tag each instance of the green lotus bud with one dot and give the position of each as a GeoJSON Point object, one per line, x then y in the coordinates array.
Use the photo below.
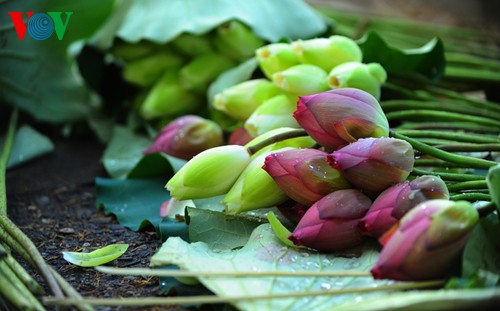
{"type": "Point", "coordinates": [192, 45]}
{"type": "Point", "coordinates": [357, 75]}
{"type": "Point", "coordinates": [241, 100]}
{"type": "Point", "coordinates": [254, 189]}
{"type": "Point", "coordinates": [327, 52]}
{"type": "Point", "coordinates": [168, 98]}
{"type": "Point", "coordinates": [295, 142]}
{"type": "Point", "coordinates": [209, 173]}
{"type": "Point", "coordinates": [130, 51]}
{"type": "Point", "coordinates": [377, 71]}
{"type": "Point", "coordinates": [235, 40]}
{"type": "Point", "coordinates": [302, 79]}
{"type": "Point", "coordinates": [201, 71]}
{"type": "Point", "coordinates": [146, 71]}
{"type": "Point", "coordinates": [274, 113]}
{"type": "Point", "coordinates": [276, 57]}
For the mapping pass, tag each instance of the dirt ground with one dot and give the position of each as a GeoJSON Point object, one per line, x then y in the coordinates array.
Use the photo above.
{"type": "Point", "coordinates": [52, 199]}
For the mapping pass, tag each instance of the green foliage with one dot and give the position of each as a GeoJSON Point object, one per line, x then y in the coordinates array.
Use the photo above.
{"type": "Point", "coordinates": [263, 252]}
{"type": "Point", "coordinates": [482, 251]}
{"type": "Point", "coordinates": [123, 152]}
{"type": "Point", "coordinates": [427, 61]}
{"type": "Point", "coordinates": [97, 257]}
{"type": "Point", "coordinates": [218, 230]}
{"type": "Point", "coordinates": [123, 157]}
{"type": "Point", "coordinates": [269, 20]}
{"type": "Point", "coordinates": [281, 231]}
{"type": "Point", "coordinates": [36, 76]}
{"type": "Point", "coordinates": [493, 181]}
{"type": "Point", "coordinates": [28, 144]}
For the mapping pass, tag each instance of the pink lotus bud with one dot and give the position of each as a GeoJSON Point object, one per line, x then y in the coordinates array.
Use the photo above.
{"type": "Point", "coordinates": [427, 242]}
{"type": "Point", "coordinates": [304, 174]}
{"type": "Point", "coordinates": [240, 136]}
{"type": "Point", "coordinates": [331, 224]}
{"type": "Point", "coordinates": [187, 136]}
{"type": "Point", "coordinates": [341, 116]}
{"type": "Point", "coordinates": [374, 164]}
{"type": "Point", "coordinates": [397, 200]}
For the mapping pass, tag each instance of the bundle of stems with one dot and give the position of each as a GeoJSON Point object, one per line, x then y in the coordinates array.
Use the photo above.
{"type": "Point", "coordinates": [471, 55]}
{"type": "Point", "coordinates": [18, 289]}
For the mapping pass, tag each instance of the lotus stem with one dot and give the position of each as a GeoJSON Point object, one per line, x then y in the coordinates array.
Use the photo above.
{"type": "Point", "coordinates": [448, 176]}
{"type": "Point", "coordinates": [276, 138]}
{"type": "Point", "coordinates": [234, 299]}
{"type": "Point", "coordinates": [443, 155]}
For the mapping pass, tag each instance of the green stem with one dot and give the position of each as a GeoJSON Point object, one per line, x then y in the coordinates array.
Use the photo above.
{"type": "Point", "coordinates": [462, 137]}
{"type": "Point", "coordinates": [467, 59]}
{"type": "Point", "coordinates": [71, 292]}
{"type": "Point", "coordinates": [447, 176]}
{"type": "Point", "coordinates": [233, 299]}
{"type": "Point", "coordinates": [4, 158]}
{"type": "Point", "coordinates": [469, 147]}
{"type": "Point", "coordinates": [462, 107]}
{"type": "Point", "coordinates": [466, 73]}
{"type": "Point", "coordinates": [458, 96]}
{"type": "Point", "coordinates": [22, 274]}
{"type": "Point", "coordinates": [468, 185]}
{"type": "Point", "coordinates": [473, 196]}
{"type": "Point", "coordinates": [18, 294]}
{"type": "Point", "coordinates": [443, 155]}
{"type": "Point", "coordinates": [208, 273]}
{"type": "Point", "coordinates": [437, 163]}
{"type": "Point", "coordinates": [42, 267]}
{"type": "Point", "coordinates": [276, 138]}
{"type": "Point", "coordinates": [458, 126]}
{"type": "Point", "coordinates": [12, 243]}
{"type": "Point", "coordinates": [421, 114]}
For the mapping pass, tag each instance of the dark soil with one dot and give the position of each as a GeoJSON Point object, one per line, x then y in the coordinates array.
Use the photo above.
{"type": "Point", "coordinates": [52, 199]}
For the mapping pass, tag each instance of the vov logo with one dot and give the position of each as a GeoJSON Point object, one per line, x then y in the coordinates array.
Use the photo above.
{"type": "Point", "coordinates": [40, 26]}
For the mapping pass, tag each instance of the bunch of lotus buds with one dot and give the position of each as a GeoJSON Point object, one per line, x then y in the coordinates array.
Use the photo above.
{"type": "Point", "coordinates": [346, 177]}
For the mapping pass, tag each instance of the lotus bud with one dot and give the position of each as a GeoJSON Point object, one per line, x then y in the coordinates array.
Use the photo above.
{"type": "Point", "coordinates": [327, 52]}
{"type": "Point", "coordinates": [302, 79]}
{"type": "Point", "coordinates": [274, 113]}
{"type": "Point", "coordinates": [428, 241]}
{"type": "Point", "coordinates": [304, 174]}
{"type": "Point", "coordinates": [209, 173]}
{"type": "Point", "coordinates": [197, 75]}
{"type": "Point", "coordinates": [253, 189]}
{"type": "Point", "coordinates": [420, 189]}
{"type": "Point", "coordinates": [236, 41]}
{"type": "Point", "coordinates": [397, 200]}
{"type": "Point", "coordinates": [241, 100]}
{"type": "Point", "coordinates": [168, 98]}
{"type": "Point", "coordinates": [187, 136]}
{"type": "Point", "coordinates": [192, 45]}
{"type": "Point", "coordinates": [374, 164]}
{"type": "Point", "coordinates": [331, 224]}
{"type": "Point", "coordinates": [149, 69]}
{"type": "Point", "coordinates": [239, 136]}
{"type": "Point", "coordinates": [295, 142]}
{"type": "Point", "coordinates": [276, 57]}
{"type": "Point", "coordinates": [130, 51]}
{"type": "Point", "coordinates": [359, 76]}
{"type": "Point", "coordinates": [338, 117]}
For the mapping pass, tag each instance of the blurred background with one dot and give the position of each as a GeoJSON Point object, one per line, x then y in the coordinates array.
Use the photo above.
{"type": "Point", "coordinates": [478, 14]}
